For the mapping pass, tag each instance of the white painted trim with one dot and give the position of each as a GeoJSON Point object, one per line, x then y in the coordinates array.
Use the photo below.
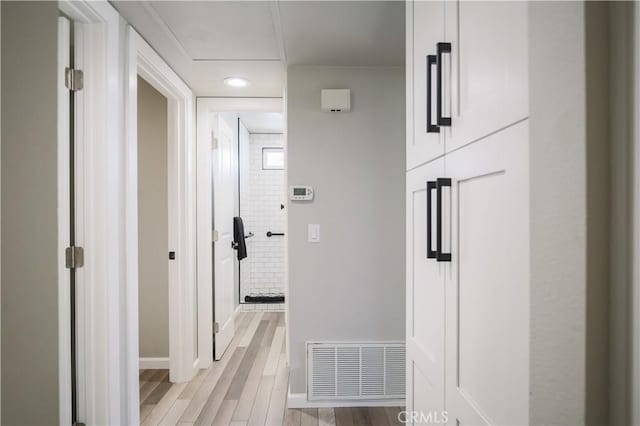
{"type": "Point", "coordinates": [98, 113]}
{"type": "Point", "coordinates": [299, 400]}
{"type": "Point", "coordinates": [204, 108]}
{"type": "Point", "coordinates": [144, 61]}
{"type": "Point", "coordinates": [204, 251]}
{"type": "Point", "coordinates": [64, 339]}
{"type": "Point", "coordinates": [154, 363]}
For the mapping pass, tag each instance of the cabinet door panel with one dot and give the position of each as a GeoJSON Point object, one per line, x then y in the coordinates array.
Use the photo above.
{"type": "Point", "coordinates": [487, 349]}
{"type": "Point", "coordinates": [425, 298]}
{"type": "Point", "coordinates": [486, 74]}
{"type": "Point", "coordinates": [425, 28]}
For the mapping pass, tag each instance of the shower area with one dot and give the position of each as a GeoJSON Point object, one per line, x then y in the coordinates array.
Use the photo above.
{"type": "Point", "coordinates": [262, 206]}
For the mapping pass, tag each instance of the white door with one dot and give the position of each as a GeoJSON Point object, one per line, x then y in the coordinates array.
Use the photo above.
{"type": "Point", "coordinates": [425, 28]}
{"type": "Point", "coordinates": [487, 289]}
{"type": "Point", "coordinates": [425, 296]}
{"type": "Point", "coordinates": [224, 175]}
{"type": "Point", "coordinates": [487, 70]}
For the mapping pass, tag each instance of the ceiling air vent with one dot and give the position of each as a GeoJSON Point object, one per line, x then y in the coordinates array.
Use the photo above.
{"type": "Point", "coordinates": [342, 371]}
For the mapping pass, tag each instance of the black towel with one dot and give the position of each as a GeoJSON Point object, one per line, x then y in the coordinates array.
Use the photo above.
{"type": "Point", "coordinates": [238, 237]}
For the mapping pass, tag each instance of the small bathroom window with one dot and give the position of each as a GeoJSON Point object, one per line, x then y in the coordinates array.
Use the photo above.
{"type": "Point", "coordinates": [272, 158]}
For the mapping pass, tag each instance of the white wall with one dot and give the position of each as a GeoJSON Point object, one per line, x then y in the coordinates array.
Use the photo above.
{"type": "Point", "coordinates": [153, 222]}
{"type": "Point", "coordinates": [351, 285]}
{"type": "Point", "coordinates": [262, 193]}
{"type": "Point", "coordinates": [569, 166]}
{"type": "Point", "coordinates": [244, 166]}
{"type": "Point", "coordinates": [243, 193]}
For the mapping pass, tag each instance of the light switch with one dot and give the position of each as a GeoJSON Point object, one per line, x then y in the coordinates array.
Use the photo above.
{"type": "Point", "coordinates": [313, 233]}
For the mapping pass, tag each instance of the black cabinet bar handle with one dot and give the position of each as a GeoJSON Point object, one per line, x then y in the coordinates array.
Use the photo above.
{"type": "Point", "coordinates": [441, 257]}
{"type": "Point", "coordinates": [431, 253]}
{"type": "Point", "coordinates": [431, 128]}
{"type": "Point", "coordinates": [443, 47]}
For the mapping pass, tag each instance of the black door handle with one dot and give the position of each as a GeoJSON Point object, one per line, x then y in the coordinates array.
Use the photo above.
{"type": "Point", "coordinates": [431, 254]}
{"type": "Point", "coordinates": [431, 128]}
{"type": "Point", "coordinates": [443, 47]}
{"type": "Point", "coordinates": [274, 234]}
{"type": "Point", "coordinates": [440, 255]}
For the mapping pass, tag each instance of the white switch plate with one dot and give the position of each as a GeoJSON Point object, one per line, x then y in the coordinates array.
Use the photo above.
{"type": "Point", "coordinates": [313, 233]}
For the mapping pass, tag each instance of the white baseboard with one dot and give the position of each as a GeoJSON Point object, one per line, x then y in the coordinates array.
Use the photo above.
{"type": "Point", "coordinates": [154, 363]}
{"type": "Point", "coordinates": [299, 400]}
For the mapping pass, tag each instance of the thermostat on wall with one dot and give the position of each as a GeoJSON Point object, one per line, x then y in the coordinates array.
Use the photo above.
{"type": "Point", "coordinates": [300, 193]}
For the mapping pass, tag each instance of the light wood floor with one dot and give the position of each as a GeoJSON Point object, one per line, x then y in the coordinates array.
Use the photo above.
{"type": "Point", "coordinates": [248, 386]}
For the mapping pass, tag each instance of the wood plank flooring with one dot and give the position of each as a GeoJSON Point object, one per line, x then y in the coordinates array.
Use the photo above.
{"type": "Point", "coordinates": [248, 386]}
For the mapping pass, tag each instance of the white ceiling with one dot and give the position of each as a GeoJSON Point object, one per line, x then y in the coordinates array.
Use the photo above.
{"type": "Point", "coordinates": [351, 33]}
{"type": "Point", "coordinates": [222, 30]}
{"type": "Point", "coordinates": [206, 41]}
{"type": "Point", "coordinates": [262, 122]}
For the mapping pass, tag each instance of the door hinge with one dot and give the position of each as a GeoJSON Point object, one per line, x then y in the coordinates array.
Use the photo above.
{"type": "Point", "coordinates": [73, 79]}
{"type": "Point", "coordinates": [216, 328]}
{"type": "Point", "coordinates": [214, 142]}
{"type": "Point", "coordinates": [214, 235]}
{"type": "Point", "coordinates": [74, 257]}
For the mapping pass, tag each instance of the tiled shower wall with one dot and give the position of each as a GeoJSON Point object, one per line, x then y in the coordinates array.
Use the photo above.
{"type": "Point", "coordinates": [262, 193]}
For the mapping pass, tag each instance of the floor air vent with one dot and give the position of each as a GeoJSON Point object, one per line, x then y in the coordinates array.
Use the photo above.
{"type": "Point", "coordinates": [355, 371]}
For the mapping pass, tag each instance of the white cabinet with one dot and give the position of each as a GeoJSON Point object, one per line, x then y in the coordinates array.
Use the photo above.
{"type": "Point", "coordinates": [467, 213]}
{"type": "Point", "coordinates": [485, 78]}
{"type": "Point", "coordinates": [425, 140]}
{"type": "Point", "coordinates": [468, 283]}
{"type": "Point", "coordinates": [487, 289]}
{"type": "Point", "coordinates": [467, 73]}
{"type": "Point", "coordinates": [425, 294]}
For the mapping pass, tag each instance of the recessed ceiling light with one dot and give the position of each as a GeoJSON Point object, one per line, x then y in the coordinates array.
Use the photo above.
{"type": "Point", "coordinates": [236, 82]}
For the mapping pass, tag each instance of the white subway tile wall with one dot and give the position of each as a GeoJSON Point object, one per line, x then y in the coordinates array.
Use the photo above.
{"type": "Point", "coordinates": [263, 271]}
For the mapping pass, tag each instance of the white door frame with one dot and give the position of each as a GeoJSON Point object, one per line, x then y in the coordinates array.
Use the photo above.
{"type": "Point", "coordinates": [184, 359]}
{"type": "Point", "coordinates": [106, 208]}
{"type": "Point", "coordinates": [205, 107]}
{"type": "Point", "coordinates": [98, 109]}
{"type": "Point", "coordinates": [64, 281]}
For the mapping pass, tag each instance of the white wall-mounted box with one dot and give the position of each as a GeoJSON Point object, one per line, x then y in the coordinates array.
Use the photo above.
{"type": "Point", "coordinates": [336, 100]}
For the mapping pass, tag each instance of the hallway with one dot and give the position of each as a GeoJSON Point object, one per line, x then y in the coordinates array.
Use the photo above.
{"type": "Point", "coordinates": [248, 386]}
{"type": "Point", "coordinates": [294, 212]}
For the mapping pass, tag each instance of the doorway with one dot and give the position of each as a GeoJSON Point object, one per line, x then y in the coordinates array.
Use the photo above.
{"type": "Point", "coordinates": [88, 229]}
{"type": "Point", "coordinates": [262, 206]}
{"type": "Point", "coordinates": [99, 384]}
{"type": "Point", "coordinates": [171, 254]}
{"type": "Point", "coordinates": [153, 244]}
{"type": "Point", "coordinates": [219, 180]}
